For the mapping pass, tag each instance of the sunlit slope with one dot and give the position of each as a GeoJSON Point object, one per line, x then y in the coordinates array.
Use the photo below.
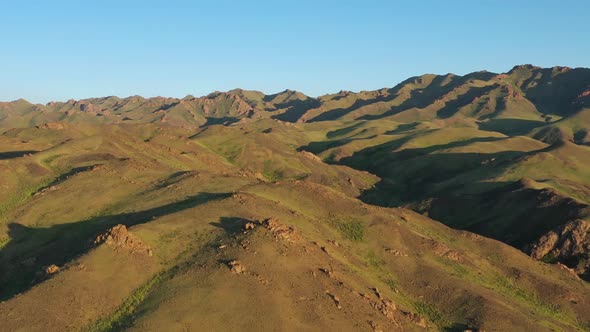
{"type": "Point", "coordinates": [510, 187]}
{"type": "Point", "coordinates": [326, 260]}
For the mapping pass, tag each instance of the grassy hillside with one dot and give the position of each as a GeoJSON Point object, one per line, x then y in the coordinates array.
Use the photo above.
{"type": "Point", "coordinates": [325, 259]}
{"type": "Point", "coordinates": [416, 207]}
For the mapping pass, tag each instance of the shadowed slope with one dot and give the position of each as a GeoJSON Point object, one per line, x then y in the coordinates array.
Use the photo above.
{"type": "Point", "coordinates": [30, 249]}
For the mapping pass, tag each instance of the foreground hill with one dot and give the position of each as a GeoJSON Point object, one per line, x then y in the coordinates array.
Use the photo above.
{"type": "Point", "coordinates": [248, 211]}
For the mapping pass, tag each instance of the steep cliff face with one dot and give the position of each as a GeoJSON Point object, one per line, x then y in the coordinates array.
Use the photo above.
{"type": "Point", "coordinates": [569, 243]}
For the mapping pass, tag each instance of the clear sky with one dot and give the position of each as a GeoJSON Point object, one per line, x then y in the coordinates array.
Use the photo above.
{"type": "Point", "coordinates": [57, 50]}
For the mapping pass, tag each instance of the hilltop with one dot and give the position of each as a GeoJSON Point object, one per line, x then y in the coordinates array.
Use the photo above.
{"type": "Point", "coordinates": [443, 203]}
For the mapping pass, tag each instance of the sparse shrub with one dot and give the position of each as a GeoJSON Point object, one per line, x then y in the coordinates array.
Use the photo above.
{"type": "Point", "coordinates": [391, 283]}
{"type": "Point", "coordinates": [584, 326]}
{"type": "Point", "coordinates": [232, 153]}
{"type": "Point", "coordinates": [351, 228]}
{"type": "Point", "coordinates": [549, 259]}
{"type": "Point", "coordinates": [373, 260]}
{"type": "Point", "coordinates": [302, 176]}
{"type": "Point", "coordinates": [272, 174]}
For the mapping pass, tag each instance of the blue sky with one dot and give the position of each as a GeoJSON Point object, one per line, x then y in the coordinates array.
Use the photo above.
{"type": "Point", "coordinates": [57, 50]}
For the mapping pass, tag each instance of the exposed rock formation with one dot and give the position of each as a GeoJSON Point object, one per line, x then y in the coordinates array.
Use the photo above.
{"type": "Point", "coordinates": [51, 269]}
{"type": "Point", "coordinates": [568, 244]}
{"type": "Point", "coordinates": [236, 267]}
{"type": "Point", "coordinates": [120, 237]}
{"type": "Point", "coordinates": [280, 230]}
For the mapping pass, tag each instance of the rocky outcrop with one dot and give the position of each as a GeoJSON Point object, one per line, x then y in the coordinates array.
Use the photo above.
{"type": "Point", "coordinates": [568, 244]}
{"type": "Point", "coordinates": [334, 298]}
{"type": "Point", "coordinates": [120, 237]}
{"type": "Point", "coordinates": [52, 125]}
{"type": "Point", "coordinates": [310, 156]}
{"type": "Point", "coordinates": [583, 99]}
{"type": "Point", "coordinates": [236, 267]}
{"type": "Point", "coordinates": [280, 231]}
{"type": "Point", "coordinates": [51, 269]}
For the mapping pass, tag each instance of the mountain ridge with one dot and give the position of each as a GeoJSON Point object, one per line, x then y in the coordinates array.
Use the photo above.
{"type": "Point", "coordinates": [190, 96]}
{"type": "Point", "coordinates": [523, 93]}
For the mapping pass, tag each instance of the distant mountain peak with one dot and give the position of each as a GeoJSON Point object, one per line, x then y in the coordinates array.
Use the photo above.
{"type": "Point", "coordinates": [523, 67]}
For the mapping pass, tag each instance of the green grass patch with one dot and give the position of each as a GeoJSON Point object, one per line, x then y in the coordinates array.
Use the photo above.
{"type": "Point", "coordinates": [350, 228]}
{"type": "Point", "coordinates": [509, 288]}
{"type": "Point", "coordinates": [584, 325]}
{"type": "Point", "coordinates": [353, 230]}
{"type": "Point", "coordinates": [374, 261]}
{"type": "Point", "coordinates": [431, 312]}
{"type": "Point", "coordinates": [49, 160]}
{"type": "Point", "coordinates": [391, 284]}
{"type": "Point", "coordinates": [455, 267]}
{"type": "Point", "coordinates": [231, 160]}
{"type": "Point", "coordinates": [232, 153]}
{"type": "Point", "coordinates": [123, 316]}
{"type": "Point", "coordinates": [272, 174]}
{"type": "Point", "coordinates": [20, 197]}
{"type": "Point", "coordinates": [4, 242]}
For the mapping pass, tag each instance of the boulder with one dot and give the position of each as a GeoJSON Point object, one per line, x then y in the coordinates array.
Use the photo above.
{"type": "Point", "coordinates": [236, 267]}
{"type": "Point", "coordinates": [51, 269]}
